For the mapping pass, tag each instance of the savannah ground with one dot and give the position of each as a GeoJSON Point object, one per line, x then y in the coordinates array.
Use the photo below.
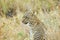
{"type": "Point", "coordinates": [12, 11]}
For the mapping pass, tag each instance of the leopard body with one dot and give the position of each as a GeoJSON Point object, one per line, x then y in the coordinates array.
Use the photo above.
{"type": "Point", "coordinates": [36, 25]}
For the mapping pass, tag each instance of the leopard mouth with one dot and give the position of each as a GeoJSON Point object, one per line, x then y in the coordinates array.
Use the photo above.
{"type": "Point", "coordinates": [24, 22]}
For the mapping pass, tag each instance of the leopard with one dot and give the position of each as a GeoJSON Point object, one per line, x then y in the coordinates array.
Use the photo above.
{"type": "Point", "coordinates": [36, 25]}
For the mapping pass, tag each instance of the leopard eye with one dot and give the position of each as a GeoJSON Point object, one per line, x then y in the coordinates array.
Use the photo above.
{"type": "Point", "coordinates": [26, 17]}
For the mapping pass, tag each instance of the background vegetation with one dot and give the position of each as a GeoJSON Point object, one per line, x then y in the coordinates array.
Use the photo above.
{"type": "Point", "coordinates": [11, 12]}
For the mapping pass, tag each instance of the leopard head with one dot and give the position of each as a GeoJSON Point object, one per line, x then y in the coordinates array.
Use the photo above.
{"type": "Point", "coordinates": [30, 18]}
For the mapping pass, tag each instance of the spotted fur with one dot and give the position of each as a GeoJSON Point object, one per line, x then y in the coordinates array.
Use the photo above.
{"type": "Point", "coordinates": [36, 25]}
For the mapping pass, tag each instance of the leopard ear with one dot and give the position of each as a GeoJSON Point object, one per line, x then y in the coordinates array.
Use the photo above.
{"type": "Point", "coordinates": [30, 12]}
{"type": "Point", "coordinates": [33, 12]}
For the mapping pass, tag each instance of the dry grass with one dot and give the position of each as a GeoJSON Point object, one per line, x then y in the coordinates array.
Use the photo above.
{"type": "Point", "coordinates": [47, 11]}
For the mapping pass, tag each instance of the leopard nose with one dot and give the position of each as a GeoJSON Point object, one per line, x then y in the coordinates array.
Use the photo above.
{"type": "Point", "coordinates": [25, 22]}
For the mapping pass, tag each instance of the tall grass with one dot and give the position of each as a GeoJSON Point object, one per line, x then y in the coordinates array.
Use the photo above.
{"type": "Point", "coordinates": [5, 4]}
{"type": "Point", "coordinates": [11, 28]}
